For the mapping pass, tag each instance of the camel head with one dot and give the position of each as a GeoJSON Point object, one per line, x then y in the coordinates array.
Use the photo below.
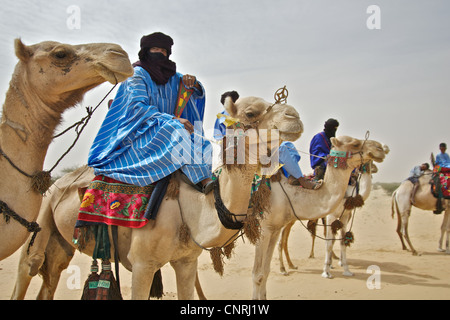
{"type": "Point", "coordinates": [59, 74]}
{"type": "Point", "coordinates": [350, 148]}
{"type": "Point", "coordinates": [253, 111]}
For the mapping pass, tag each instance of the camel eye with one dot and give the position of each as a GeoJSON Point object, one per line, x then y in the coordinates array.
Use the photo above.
{"type": "Point", "coordinates": [60, 54]}
{"type": "Point", "coordinates": [250, 114]}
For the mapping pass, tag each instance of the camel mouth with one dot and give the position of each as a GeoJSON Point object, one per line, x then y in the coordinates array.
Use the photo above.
{"type": "Point", "coordinates": [113, 74]}
{"type": "Point", "coordinates": [378, 159]}
{"type": "Point", "coordinates": [290, 135]}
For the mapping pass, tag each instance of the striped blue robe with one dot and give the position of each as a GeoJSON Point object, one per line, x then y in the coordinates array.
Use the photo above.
{"type": "Point", "coordinates": [139, 142]}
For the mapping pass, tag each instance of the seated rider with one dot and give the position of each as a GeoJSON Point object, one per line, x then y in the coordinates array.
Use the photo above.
{"type": "Point", "coordinates": [320, 147]}
{"type": "Point", "coordinates": [290, 158]}
{"type": "Point", "coordinates": [414, 176]}
{"type": "Point", "coordinates": [443, 158]}
{"type": "Point", "coordinates": [288, 154]}
{"type": "Point", "coordinates": [144, 129]}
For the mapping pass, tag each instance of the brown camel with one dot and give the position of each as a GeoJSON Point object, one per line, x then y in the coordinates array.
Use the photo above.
{"type": "Point", "coordinates": [143, 251]}
{"type": "Point", "coordinates": [49, 78]}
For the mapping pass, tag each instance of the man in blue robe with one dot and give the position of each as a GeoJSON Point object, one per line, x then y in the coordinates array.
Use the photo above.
{"type": "Point", "coordinates": [320, 147]}
{"type": "Point", "coordinates": [140, 140]}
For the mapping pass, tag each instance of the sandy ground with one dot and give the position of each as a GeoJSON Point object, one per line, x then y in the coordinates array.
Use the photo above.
{"type": "Point", "coordinates": [402, 275]}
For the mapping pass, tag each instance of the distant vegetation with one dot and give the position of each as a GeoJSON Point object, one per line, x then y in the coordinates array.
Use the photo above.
{"type": "Point", "coordinates": [389, 187]}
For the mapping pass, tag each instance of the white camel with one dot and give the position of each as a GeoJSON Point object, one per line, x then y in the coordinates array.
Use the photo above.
{"type": "Point", "coordinates": [344, 215]}
{"type": "Point", "coordinates": [301, 204]}
{"type": "Point", "coordinates": [143, 251]}
{"type": "Point", "coordinates": [49, 78]}
{"type": "Point", "coordinates": [423, 199]}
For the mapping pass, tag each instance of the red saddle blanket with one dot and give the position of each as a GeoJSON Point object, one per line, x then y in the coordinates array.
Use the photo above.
{"type": "Point", "coordinates": [440, 182]}
{"type": "Point", "coordinates": [115, 203]}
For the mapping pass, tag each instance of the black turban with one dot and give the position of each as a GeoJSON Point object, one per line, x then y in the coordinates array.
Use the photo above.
{"type": "Point", "coordinates": [160, 70]}
{"type": "Point", "coordinates": [330, 127]}
{"type": "Point", "coordinates": [159, 40]}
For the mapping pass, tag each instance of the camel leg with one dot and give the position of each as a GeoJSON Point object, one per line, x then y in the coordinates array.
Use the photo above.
{"type": "Point", "coordinates": [312, 225]}
{"type": "Point", "coordinates": [58, 255]}
{"type": "Point", "coordinates": [29, 264]}
{"type": "Point", "coordinates": [329, 249]}
{"type": "Point", "coordinates": [261, 267]}
{"type": "Point", "coordinates": [404, 231]}
{"type": "Point", "coordinates": [445, 229]}
{"type": "Point", "coordinates": [198, 288]}
{"type": "Point", "coordinates": [399, 231]}
{"type": "Point", "coordinates": [343, 261]}
{"type": "Point", "coordinates": [283, 246]}
{"type": "Point", "coordinates": [185, 271]}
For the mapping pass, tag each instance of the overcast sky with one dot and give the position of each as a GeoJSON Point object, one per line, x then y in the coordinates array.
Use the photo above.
{"type": "Point", "coordinates": [393, 81]}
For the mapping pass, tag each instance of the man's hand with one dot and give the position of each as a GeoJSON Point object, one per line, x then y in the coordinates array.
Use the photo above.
{"type": "Point", "coordinates": [190, 81]}
{"type": "Point", "coordinates": [187, 125]}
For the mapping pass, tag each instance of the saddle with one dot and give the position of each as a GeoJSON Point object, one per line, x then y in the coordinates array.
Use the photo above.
{"type": "Point", "coordinates": [440, 186]}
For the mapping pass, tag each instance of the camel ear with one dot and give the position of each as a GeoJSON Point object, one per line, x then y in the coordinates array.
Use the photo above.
{"type": "Point", "coordinates": [335, 142]}
{"type": "Point", "coordinates": [230, 106]}
{"type": "Point", "coordinates": [23, 52]}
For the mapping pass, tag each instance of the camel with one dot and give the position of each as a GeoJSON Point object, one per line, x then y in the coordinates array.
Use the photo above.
{"type": "Point", "coordinates": [145, 250]}
{"type": "Point", "coordinates": [344, 215]}
{"type": "Point", "coordinates": [49, 78]}
{"type": "Point", "coordinates": [301, 204]}
{"type": "Point", "coordinates": [423, 199]}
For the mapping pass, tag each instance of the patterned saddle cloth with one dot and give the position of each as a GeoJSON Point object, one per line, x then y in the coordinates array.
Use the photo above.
{"type": "Point", "coordinates": [112, 202]}
{"type": "Point", "coordinates": [440, 182]}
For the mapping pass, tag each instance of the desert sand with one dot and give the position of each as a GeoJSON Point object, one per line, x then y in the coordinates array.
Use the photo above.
{"type": "Point", "coordinates": [401, 275]}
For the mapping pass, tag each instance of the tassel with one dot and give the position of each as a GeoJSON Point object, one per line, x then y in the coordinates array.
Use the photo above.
{"type": "Point", "coordinates": [157, 289]}
{"type": "Point", "coordinates": [261, 197]}
{"type": "Point", "coordinates": [91, 284]}
{"type": "Point", "coordinates": [228, 250]}
{"type": "Point", "coordinates": [353, 202]}
{"type": "Point", "coordinates": [173, 189]}
{"type": "Point", "coordinates": [336, 225]}
{"type": "Point", "coordinates": [349, 239]}
{"type": "Point", "coordinates": [107, 286]}
{"type": "Point", "coordinates": [217, 260]}
{"type": "Point", "coordinates": [183, 233]}
{"type": "Point", "coordinates": [252, 228]}
{"type": "Point", "coordinates": [41, 181]}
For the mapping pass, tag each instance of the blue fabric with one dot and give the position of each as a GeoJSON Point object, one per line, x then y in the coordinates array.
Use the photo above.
{"type": "Point", "coordinates": [320, 146]}
{"type": "Point", "coordinates": [139, 142]}
{"type": "Point", "coordinates": [290, 157]}
{"type": "Point", "coordinates": [443, 160]}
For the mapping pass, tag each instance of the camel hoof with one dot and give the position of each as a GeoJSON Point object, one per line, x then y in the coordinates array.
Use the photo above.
{"type": "Point", "coordinates": [284, 272]}
{"type": "Point", "coordinates": [327, 275]}
{"type": "Point", "coordinates": [440, 250]}
{"type": "Point", "coordinates": [348, 274]}
{"type": "Point", "coordinates": [293, 267]}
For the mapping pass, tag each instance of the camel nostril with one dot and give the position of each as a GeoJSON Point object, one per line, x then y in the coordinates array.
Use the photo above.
{"type": "Point", "coordinates": [291, 115]}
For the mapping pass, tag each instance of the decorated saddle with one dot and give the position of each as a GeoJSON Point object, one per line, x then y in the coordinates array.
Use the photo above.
{"type": "Point", "coordinates": [111, 202]}
{"type": "Point", "coordinates": [440, 182]}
